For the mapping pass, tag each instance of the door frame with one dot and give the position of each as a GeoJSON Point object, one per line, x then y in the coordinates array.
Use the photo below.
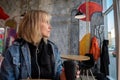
{"type": "Point", "coordinates": [116, 6]}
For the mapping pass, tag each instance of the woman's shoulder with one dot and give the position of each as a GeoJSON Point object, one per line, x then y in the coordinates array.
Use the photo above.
{"type": "Point", "coordinates": [16, 45]}
{"type": "Point", "coordinates": [14, 49]}
{"type": "Point", "coordinates": [19, 41]}
{"type": "Point", "coordinates": [52, 43]}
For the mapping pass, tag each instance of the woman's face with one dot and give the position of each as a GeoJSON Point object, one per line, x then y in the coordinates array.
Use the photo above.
{"type": "Point", "coordinates": [45, 29]}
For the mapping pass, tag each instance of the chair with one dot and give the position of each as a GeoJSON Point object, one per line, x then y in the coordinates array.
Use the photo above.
{"type": "Point", "coordinates": [87, 65]}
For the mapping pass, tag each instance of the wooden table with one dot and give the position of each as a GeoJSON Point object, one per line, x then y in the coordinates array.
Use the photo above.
{"type": "Point", "coordinates": [75, 57]}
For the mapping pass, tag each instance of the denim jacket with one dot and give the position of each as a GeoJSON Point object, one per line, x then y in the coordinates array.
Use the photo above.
{"type": "Point", "coordinates": [17, 62]}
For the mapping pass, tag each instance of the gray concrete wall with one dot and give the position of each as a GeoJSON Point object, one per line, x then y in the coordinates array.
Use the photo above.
{"type": "Point", "coordinates": [65, 29]}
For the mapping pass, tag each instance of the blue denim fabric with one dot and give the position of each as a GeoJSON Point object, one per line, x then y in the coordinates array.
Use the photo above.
{"type": "Point", "coordinates": [17, 62]}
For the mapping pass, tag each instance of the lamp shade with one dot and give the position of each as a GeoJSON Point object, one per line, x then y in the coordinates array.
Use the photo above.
{"type": "Point", "coordinates": [92, 8]}
{"type": "Point", "coordinates": [80, 15]}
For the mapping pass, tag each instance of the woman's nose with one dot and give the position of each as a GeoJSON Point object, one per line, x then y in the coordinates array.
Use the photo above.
{"type": "Point", "coordinates": [50, 27]}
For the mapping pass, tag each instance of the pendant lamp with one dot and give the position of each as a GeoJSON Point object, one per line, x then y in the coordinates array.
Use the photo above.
{"type": "Point", "coordinates": [80, 15]}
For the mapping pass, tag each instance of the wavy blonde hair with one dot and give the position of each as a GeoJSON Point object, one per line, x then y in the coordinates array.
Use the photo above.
{"type": "Point", "coordinates": [29, 28]}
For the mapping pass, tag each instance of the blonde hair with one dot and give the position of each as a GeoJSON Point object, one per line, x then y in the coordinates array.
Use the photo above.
{"type": "Point", "coordinates": [29, 28]}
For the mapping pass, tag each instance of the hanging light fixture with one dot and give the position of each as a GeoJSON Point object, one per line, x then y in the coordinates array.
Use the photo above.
{"type": "Point", "coordinates": [80, 15]}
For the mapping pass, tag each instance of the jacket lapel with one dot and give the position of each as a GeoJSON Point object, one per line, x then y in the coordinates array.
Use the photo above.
{"type": "Point", "coordinates": [27, 58]}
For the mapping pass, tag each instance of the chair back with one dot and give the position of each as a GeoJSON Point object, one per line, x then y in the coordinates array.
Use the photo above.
{"type": "Point", "coordinates": [88, 63]}
{"type": "Point", "coordinates": [86, 66]}
{"type": "Point", "coordinates": [91, 61]}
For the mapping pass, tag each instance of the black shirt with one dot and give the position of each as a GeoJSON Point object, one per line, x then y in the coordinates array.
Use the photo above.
{"type": "Point", "coordinates": [41, 61]}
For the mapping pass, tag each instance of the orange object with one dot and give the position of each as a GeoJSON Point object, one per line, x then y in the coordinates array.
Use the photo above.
{"type": "Point", "coordinates": [95, 50]}
{"type": "Point", "coordinates": [84, 44]}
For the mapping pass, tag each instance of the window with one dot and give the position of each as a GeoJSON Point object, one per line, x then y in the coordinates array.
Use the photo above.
{"type": "Point", "coordinates": [110, 35]}
{"type": "Point", "coordinates": [107, 3]}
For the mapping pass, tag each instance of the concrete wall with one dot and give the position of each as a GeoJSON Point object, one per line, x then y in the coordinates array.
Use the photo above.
{"type": "Point", "coordinates": [65, 29]}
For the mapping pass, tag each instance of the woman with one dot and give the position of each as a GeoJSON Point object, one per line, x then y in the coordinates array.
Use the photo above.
{"type": "Point", "coordinates": [32, 55]}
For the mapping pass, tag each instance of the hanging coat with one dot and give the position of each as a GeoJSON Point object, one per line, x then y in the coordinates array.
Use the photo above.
{"type": "Point", "coordinates": [95, 50]}
{"type": "Point", "coordinates": [104, 58]}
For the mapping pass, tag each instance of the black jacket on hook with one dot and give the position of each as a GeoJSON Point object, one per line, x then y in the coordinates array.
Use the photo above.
{"type": "Point", "coordinates": [104, 58]}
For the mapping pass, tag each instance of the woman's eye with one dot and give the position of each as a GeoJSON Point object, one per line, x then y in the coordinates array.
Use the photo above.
{"type": "Point", "coordinates": [47, 22]}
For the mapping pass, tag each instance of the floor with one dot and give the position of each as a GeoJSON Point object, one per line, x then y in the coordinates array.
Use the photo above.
{"type": "Point", "coordinates": [90, 78]}
{"type": "Point", "coordinates": [85, 78]}
{"type": "Point", "coordinates": [112, 67]}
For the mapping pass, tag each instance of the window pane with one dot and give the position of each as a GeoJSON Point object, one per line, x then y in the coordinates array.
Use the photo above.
{"type": "Point", "coordinates": [111, 28]}
{"type": "Point", "coordinates": [110, 18]}
{"type": "Point", "coordinates": [112, 49]}
{"type": "Point", "coordinates": [109, 3]}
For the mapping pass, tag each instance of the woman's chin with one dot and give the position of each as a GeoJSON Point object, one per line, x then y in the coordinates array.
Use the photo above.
{"type": "Point", "coordinates": [47, 36]}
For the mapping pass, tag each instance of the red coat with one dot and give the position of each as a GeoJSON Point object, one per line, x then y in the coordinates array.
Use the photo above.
{"type": "Point", "coordinates": [95, 50]}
